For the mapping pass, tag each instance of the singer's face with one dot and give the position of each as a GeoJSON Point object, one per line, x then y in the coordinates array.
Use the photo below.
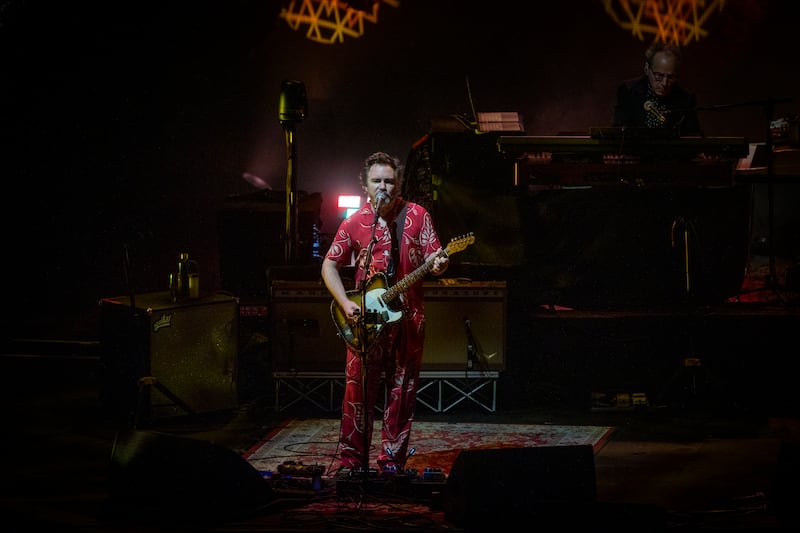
{"type": "Point", "coordinates": [663, 74]}
{"type": "Point", "coordinates": [381, 178]}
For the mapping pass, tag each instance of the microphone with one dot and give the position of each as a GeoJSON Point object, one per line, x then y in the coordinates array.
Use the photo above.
{"type": "Point", "coordinates": [651, 108]}
{"type": "Point", "coordinates": [380, 198]}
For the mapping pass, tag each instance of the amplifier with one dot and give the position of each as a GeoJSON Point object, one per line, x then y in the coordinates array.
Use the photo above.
{"type": "Point", "coordinates": [453, 306]}
{"type": "Point", "coordinates": [304, 337]}
{"type": "Point", "coordinates": [190, 349]}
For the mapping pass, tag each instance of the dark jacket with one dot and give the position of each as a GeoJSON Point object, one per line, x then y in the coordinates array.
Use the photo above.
{"type": "Point", "coordinates": [680, 105]}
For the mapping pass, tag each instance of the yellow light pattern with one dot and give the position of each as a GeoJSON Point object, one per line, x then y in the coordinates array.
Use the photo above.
{"type": "Point", "coordinates": [330, 21]}
{"type": "Point", "coordinates": [671, 21]}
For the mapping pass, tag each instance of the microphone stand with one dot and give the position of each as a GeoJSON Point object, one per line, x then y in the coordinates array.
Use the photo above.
{"type": "Point", "coordinates": [135, 334]}
{"type": "Point", "coordinates": [292, 213]}
{"type": "Point", "coordinates": [291, 109]}
{"type": "Point", "coordinates": [363, 332]}
{"type": "Point", "coordinates": [772, 279]}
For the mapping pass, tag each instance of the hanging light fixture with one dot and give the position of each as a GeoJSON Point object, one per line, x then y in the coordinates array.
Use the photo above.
{"type": "Point", "coordinates": [331, 21]}
{"type": "Point", "coordinates": [671, 21]}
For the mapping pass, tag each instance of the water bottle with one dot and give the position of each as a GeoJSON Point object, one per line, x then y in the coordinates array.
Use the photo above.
{"type": "Point", "coordinates": [183, 277]}
{"type": "Point", "coordinates": [185, 284]}
{"type": "Point", "coordinates": [173, 286]}
{"type": "Point", "coordinates": [194, 279]}
{"type": "Point", "coordinates": [316, 252]}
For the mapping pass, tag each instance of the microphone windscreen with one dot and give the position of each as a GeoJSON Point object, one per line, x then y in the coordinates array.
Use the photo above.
{"type": "Point", "coordinates": [292, 104]}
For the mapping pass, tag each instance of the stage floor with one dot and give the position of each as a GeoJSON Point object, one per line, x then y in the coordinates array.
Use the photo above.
{"type": "Point", "coordinates": [715, 447]}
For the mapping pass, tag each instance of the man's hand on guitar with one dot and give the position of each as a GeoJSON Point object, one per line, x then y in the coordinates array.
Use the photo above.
{"type": "Point", "coordinates": [440, 263]}
{"type": "Point", "coordinates": [351, 311]}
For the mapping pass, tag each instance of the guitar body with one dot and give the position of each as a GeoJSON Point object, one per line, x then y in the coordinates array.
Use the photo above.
{"type": "Point", "coordinates": [376, 314]}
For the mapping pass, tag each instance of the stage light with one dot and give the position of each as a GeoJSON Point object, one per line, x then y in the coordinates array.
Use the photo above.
{"type": "Point", "coordinates": [349, 203]}
{"type": "Point", "coordinates": [671, 21]}
{"type": "Point", "coordinates": [331, 21]}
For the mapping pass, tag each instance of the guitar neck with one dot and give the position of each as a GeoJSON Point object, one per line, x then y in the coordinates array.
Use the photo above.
{"type": "Point", "coordinates": [395, 290]}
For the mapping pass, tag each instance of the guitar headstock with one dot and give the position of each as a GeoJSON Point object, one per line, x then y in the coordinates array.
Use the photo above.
{"type": "Point", "coordinates": [458, 244]}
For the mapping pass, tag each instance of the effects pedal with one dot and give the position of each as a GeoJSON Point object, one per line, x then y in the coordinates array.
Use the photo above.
{"type": "Point", "coordinates": [295, 469]}
{"type": "Point", "coordinates": [433, 474]}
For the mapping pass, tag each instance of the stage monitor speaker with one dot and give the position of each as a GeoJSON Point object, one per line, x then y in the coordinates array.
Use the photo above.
{"type": "Point", "coordinates": [161, 477]}
{"type": "Point", "coordinates": [786, 493]}
{"type": "Point", "coordinates": [190, 348]}
{"type": "Point", "coordinates": [501, 486]}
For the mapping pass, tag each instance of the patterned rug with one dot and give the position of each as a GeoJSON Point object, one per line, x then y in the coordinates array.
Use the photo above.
{"type": "Point", "coordinates": [313, 442]}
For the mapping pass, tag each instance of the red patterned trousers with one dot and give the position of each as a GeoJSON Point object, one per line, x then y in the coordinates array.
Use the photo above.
{"type": "Point", "coordinates": [398, 356]}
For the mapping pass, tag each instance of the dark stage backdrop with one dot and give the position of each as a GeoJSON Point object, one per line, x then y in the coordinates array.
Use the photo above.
{"type": "Point", "coordinates": [126, 131]}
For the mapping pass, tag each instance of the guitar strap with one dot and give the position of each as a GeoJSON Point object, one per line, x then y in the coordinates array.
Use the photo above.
{"type": "Point", "coordinates": [397, 236]}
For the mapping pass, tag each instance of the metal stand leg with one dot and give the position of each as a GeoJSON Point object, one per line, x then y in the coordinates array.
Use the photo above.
{"type": "Point", "coordinates": [143, 400]}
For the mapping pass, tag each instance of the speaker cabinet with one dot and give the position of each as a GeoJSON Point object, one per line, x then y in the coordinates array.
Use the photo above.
{"type": "Point", "coordinates": [252, 238]}
{"type": "Point", "coordinates": [305, 339]}
{"type": "Point", "coordinates": [158, 476]}
{"type": "Point", "coordinates": [503, 485]}
{"type": "Point", "coordinates": [189, 348]}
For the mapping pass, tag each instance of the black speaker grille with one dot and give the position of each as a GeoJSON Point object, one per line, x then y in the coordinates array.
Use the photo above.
{"type": "Point", "coordinates": [504, 485]}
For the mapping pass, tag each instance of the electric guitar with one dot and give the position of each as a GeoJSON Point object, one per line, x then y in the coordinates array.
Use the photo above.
{"type": "Point", "coordinates": [376, 310]}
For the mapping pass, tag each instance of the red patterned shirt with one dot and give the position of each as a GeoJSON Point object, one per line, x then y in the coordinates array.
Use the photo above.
{"type": "Point", "coordinates": [419, 241]}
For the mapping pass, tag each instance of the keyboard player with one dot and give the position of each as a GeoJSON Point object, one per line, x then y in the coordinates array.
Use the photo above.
{"type": "Point", "coordinates": [656, 99]}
